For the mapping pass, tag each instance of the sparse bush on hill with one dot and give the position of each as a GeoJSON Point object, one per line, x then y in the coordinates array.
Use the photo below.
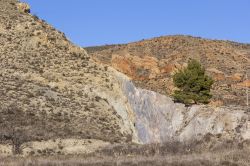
{"type": "Point", "coordinates": [194, 86]}
{"type": "Point", "coordinates": [12, 122]}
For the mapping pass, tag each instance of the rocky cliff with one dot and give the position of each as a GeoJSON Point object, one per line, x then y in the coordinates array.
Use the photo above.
{"type": "Point", "coordinates": [158, 119]}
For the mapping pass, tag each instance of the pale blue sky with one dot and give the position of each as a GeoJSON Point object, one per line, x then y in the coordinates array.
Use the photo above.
{"type": "Point", "coordinates": [98, 22]}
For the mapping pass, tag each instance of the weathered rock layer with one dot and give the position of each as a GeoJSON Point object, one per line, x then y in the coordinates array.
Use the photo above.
{"type": "Point", "coordinates": [159, 119]}
{"type": "Point", "coordinates": [151, 64]}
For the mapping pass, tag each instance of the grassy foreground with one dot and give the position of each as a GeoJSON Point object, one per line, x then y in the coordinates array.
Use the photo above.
{"type": "Point", "coordinates": [146, 155]}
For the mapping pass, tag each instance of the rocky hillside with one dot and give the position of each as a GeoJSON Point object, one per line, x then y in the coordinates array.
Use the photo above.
{"type": "Point", "coordinates": [50, 88]}
{"type": "Point", "coordinates": [151, 63]}
{"type": "Point", "coordinates": [55, 100]}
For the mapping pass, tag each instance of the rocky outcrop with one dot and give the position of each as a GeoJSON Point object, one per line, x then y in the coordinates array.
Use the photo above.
{"type": "Point", "coordinates": [159, 119]}
{"type": "Point", "coordinates": [151, 63]}
{"type": "Point", "coordinates": [23, 7]}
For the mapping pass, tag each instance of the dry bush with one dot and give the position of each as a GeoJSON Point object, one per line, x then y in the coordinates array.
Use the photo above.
{"type": "Point", "coordinates": [11, 128]}
{"type": "Point", "coordinates": [196, 153]}
{"type": "Point", "coordinates": [227, 158]}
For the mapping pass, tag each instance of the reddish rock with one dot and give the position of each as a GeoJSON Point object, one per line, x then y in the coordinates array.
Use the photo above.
{"type": "Point", "coordinates": [168, 68]}
{"type": "Point", "coordinates": [245, 83]}
{"type": "Point", "coordinates": [136, 67]}
{"type": "Point", "coordinates": [149, 62]}
{"type": "Point", "coordinates": [124, 65]}
{"type": "Point", "coordinates": [236, 77]}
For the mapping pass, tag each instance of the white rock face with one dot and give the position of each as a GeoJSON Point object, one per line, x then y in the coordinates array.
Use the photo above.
{"type": "Point", "coordinates": [159, 119]}
{"type": "Point", "coordinates": [118, 100]}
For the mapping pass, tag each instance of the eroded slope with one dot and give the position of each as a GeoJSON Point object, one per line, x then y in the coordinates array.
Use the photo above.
{"type": "Point", "coordinates": [151, 64]}
{"type": "Point", "coordinates": [50, 88]}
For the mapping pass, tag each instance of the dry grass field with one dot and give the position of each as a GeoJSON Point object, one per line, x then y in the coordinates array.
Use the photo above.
{"type": "Point", "coordinates": [227, 158]}
{"type": "Point", "coordinates": [227, 153]}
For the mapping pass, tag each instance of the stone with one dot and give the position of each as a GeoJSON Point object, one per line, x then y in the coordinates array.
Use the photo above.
{"type": "Point", "coordinates": [23, 7]}
{"type": "Point", "coordinates": [237, 77]}
{"type": "Point", "coordinates": [245, 84]}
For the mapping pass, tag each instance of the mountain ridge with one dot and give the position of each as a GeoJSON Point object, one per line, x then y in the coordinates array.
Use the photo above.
{"type": "Point", "coordinates": [90, 47]}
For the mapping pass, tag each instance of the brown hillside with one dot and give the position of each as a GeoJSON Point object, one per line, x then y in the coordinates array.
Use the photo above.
{"type": "Point", "coordinates": [49, 87]}
{"type": "Point", "coordinates": [151, 63]}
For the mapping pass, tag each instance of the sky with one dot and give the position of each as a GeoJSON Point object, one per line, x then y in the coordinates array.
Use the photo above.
{"type": "Point", "coordinates": [100, 22]}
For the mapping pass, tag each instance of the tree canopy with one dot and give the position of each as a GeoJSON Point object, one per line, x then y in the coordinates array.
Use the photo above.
{"type": "Point", "coordinates": [193, 84]}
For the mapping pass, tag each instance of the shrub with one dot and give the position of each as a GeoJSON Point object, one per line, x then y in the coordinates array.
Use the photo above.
{"type": "Point", "coordinates": [193, 85]}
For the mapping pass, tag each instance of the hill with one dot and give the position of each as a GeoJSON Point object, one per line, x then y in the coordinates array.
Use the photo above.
{"type": "Point", "coordinates": [55, 101]}
{"type": "Point", "coordinates": [51, 89]}
{"type": "Point", "coordinates": [151, 63]}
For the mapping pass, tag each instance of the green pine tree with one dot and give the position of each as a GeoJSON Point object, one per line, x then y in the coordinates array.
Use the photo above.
{"type": "Point", "coordinates": [194, 86]}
